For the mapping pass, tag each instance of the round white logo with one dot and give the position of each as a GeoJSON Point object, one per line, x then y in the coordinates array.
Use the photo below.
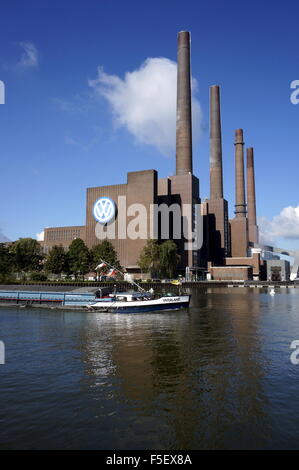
{"type": "Point", "coordinates": [104, 210]}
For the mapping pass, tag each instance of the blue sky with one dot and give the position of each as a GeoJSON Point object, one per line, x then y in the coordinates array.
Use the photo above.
{"type": "Point", "coordinates": [63, 130]}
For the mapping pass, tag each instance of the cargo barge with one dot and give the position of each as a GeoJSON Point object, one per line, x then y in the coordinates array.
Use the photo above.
{"type": "Point", "coordinates": [53, 299]}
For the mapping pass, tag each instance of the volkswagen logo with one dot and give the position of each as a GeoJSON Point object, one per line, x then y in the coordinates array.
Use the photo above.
{"type": "Point", "coordinates": [104, 210]}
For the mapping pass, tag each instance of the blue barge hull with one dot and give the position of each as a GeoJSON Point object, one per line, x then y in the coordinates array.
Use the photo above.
{"type": "Point", "coordinates": [58, 298]}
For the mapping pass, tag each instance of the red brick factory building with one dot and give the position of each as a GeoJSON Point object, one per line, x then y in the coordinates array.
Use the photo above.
{"type": "Point", "coordinates": [226, 251]}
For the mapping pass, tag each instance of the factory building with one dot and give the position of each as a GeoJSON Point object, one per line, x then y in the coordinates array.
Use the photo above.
{"type": "Point", "coordinates": [146, 206]}
{"type": "Point", "coordinates": [147, 196]}
{"type": "Point", "coordinates": [278, 270]}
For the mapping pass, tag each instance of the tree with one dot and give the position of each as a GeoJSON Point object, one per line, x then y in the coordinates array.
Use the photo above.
{"type": "Point", "coordinates": [168, 258]}
{"type": "Point", "coordinates": [6, 260]}
{"type": "Point", "coordinates": [104, 251]}
{"type": "Point", "coordinates": [149, 259]}
{"type": "Point", "coordinates": [27, 254]}
{"type": "Point", "coordinates": [78, 257]}
{"type": "Point", "coordinates": [57, 260]}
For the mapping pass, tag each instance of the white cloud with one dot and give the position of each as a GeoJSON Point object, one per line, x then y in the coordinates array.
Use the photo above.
{"type": "Point", "coordinates": [285, 225]}
{"type": "Point", "coordinates": [265, 233]}
{"type": "Point", "coordinates": [144, 102]}
{"type": "Point", "coordinates": [40, 236]}
{"type": "Point", "coordinates": [29, 56]}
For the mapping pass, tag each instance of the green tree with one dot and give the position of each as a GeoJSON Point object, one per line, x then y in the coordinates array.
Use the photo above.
{"type": "Point", "coordinates": [57, 260]}
{"type": "Point", "coordinates": [149, 259]}
{"type": "Point", "coordinates": [168, 258]}
{"type": "Point", "coordinates": [27, 254]}
{"type": "Point", "coordinates": [6, 260]}
{"type": "Point", "coordinates": [104, 251]}
{"type": "Point", "coordinates": [78, 257]}
{"type": "Point", "coordinates": [38, 276]}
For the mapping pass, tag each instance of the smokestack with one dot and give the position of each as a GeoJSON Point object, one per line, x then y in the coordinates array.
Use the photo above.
{"type": "Point", "coordinates": [251, 202]}
{"type": "Point", "coordinates": [240, 182]}
{"type": "Point", "coordinates": [183, 117]}
{"type": "Point", "coordinates": [216, 177]}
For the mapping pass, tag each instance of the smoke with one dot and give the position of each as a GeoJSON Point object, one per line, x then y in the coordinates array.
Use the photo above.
{"type": "Point", "coordinates": [285, 225]}
{"type": "Point", "coordinates": [144, 102]}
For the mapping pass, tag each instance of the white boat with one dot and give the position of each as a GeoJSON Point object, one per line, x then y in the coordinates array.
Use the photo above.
{"type": "Point", "coordinates": [138, 301]}
{"type": "Point", "coordinates": [272, 291]}
{"type": "Point", "coordinates": [141, 302]}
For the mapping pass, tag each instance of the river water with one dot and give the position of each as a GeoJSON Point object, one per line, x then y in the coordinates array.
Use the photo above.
{"type": "Point", "coordinates": [216, 376]}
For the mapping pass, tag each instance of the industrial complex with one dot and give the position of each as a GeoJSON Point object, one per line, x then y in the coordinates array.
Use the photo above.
{"type": "Point", "coordinates": [210, 245]}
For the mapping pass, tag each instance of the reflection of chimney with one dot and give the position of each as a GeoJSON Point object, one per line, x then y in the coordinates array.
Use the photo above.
{"type": "Point", "coordinates": [240, 205]}
{"type": "Point", "coordinates": [183, 118]}
{"type": "Point", "coordinates": [251, 202]}
{"type": "Point", "coordinates": [216, 178]}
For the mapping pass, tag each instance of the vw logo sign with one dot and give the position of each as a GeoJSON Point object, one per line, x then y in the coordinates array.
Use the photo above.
{"type": "Point", "coordinates": [104, 210]}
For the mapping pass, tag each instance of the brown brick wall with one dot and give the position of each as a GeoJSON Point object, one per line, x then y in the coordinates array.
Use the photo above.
{"type": "Point", "coordinates": [237, 273]}
{"type": "Point", "coordinates": [62, 236]}
{"type": "Point", "coordinates": [141, 188]}
{"type": "Point", "coordinates": [239, 237]}
{"type": "Point", "coordinates": [253, 261]}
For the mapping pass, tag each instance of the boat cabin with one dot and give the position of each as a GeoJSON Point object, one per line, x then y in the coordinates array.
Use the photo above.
{"type": "Point", "coordinates": [136, 296]}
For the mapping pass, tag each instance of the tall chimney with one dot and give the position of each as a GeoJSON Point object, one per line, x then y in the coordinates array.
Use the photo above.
{"type": "Point", "coordinates": [251, 204]}
{"type": "Point", "coordinates": [216, 177]}
{"type": "Point", "coordinates": [183, 117]}
{"type": "Point", "coordinates": [240, 205]}
{"type": "Point", "coordinates": [251, 201]}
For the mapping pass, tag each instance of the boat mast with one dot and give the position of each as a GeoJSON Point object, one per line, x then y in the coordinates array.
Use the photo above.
{"type": "Point", "coordinates": [120, 272]}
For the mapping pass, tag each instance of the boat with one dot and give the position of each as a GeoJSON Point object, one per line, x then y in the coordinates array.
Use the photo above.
{"type": "Point", "coordinates": [139, 301]}
{"type": "Point", "coordinates": [272, 291]}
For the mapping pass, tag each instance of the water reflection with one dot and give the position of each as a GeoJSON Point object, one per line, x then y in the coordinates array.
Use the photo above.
{"type": "Point", "coordinates": [215, 376]}
{"type": "Point", "coordinates": [199, 373]}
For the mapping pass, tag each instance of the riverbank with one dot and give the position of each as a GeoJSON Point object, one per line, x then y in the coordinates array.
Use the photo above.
{"type": "Point", "coordinates": [51, 286]}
